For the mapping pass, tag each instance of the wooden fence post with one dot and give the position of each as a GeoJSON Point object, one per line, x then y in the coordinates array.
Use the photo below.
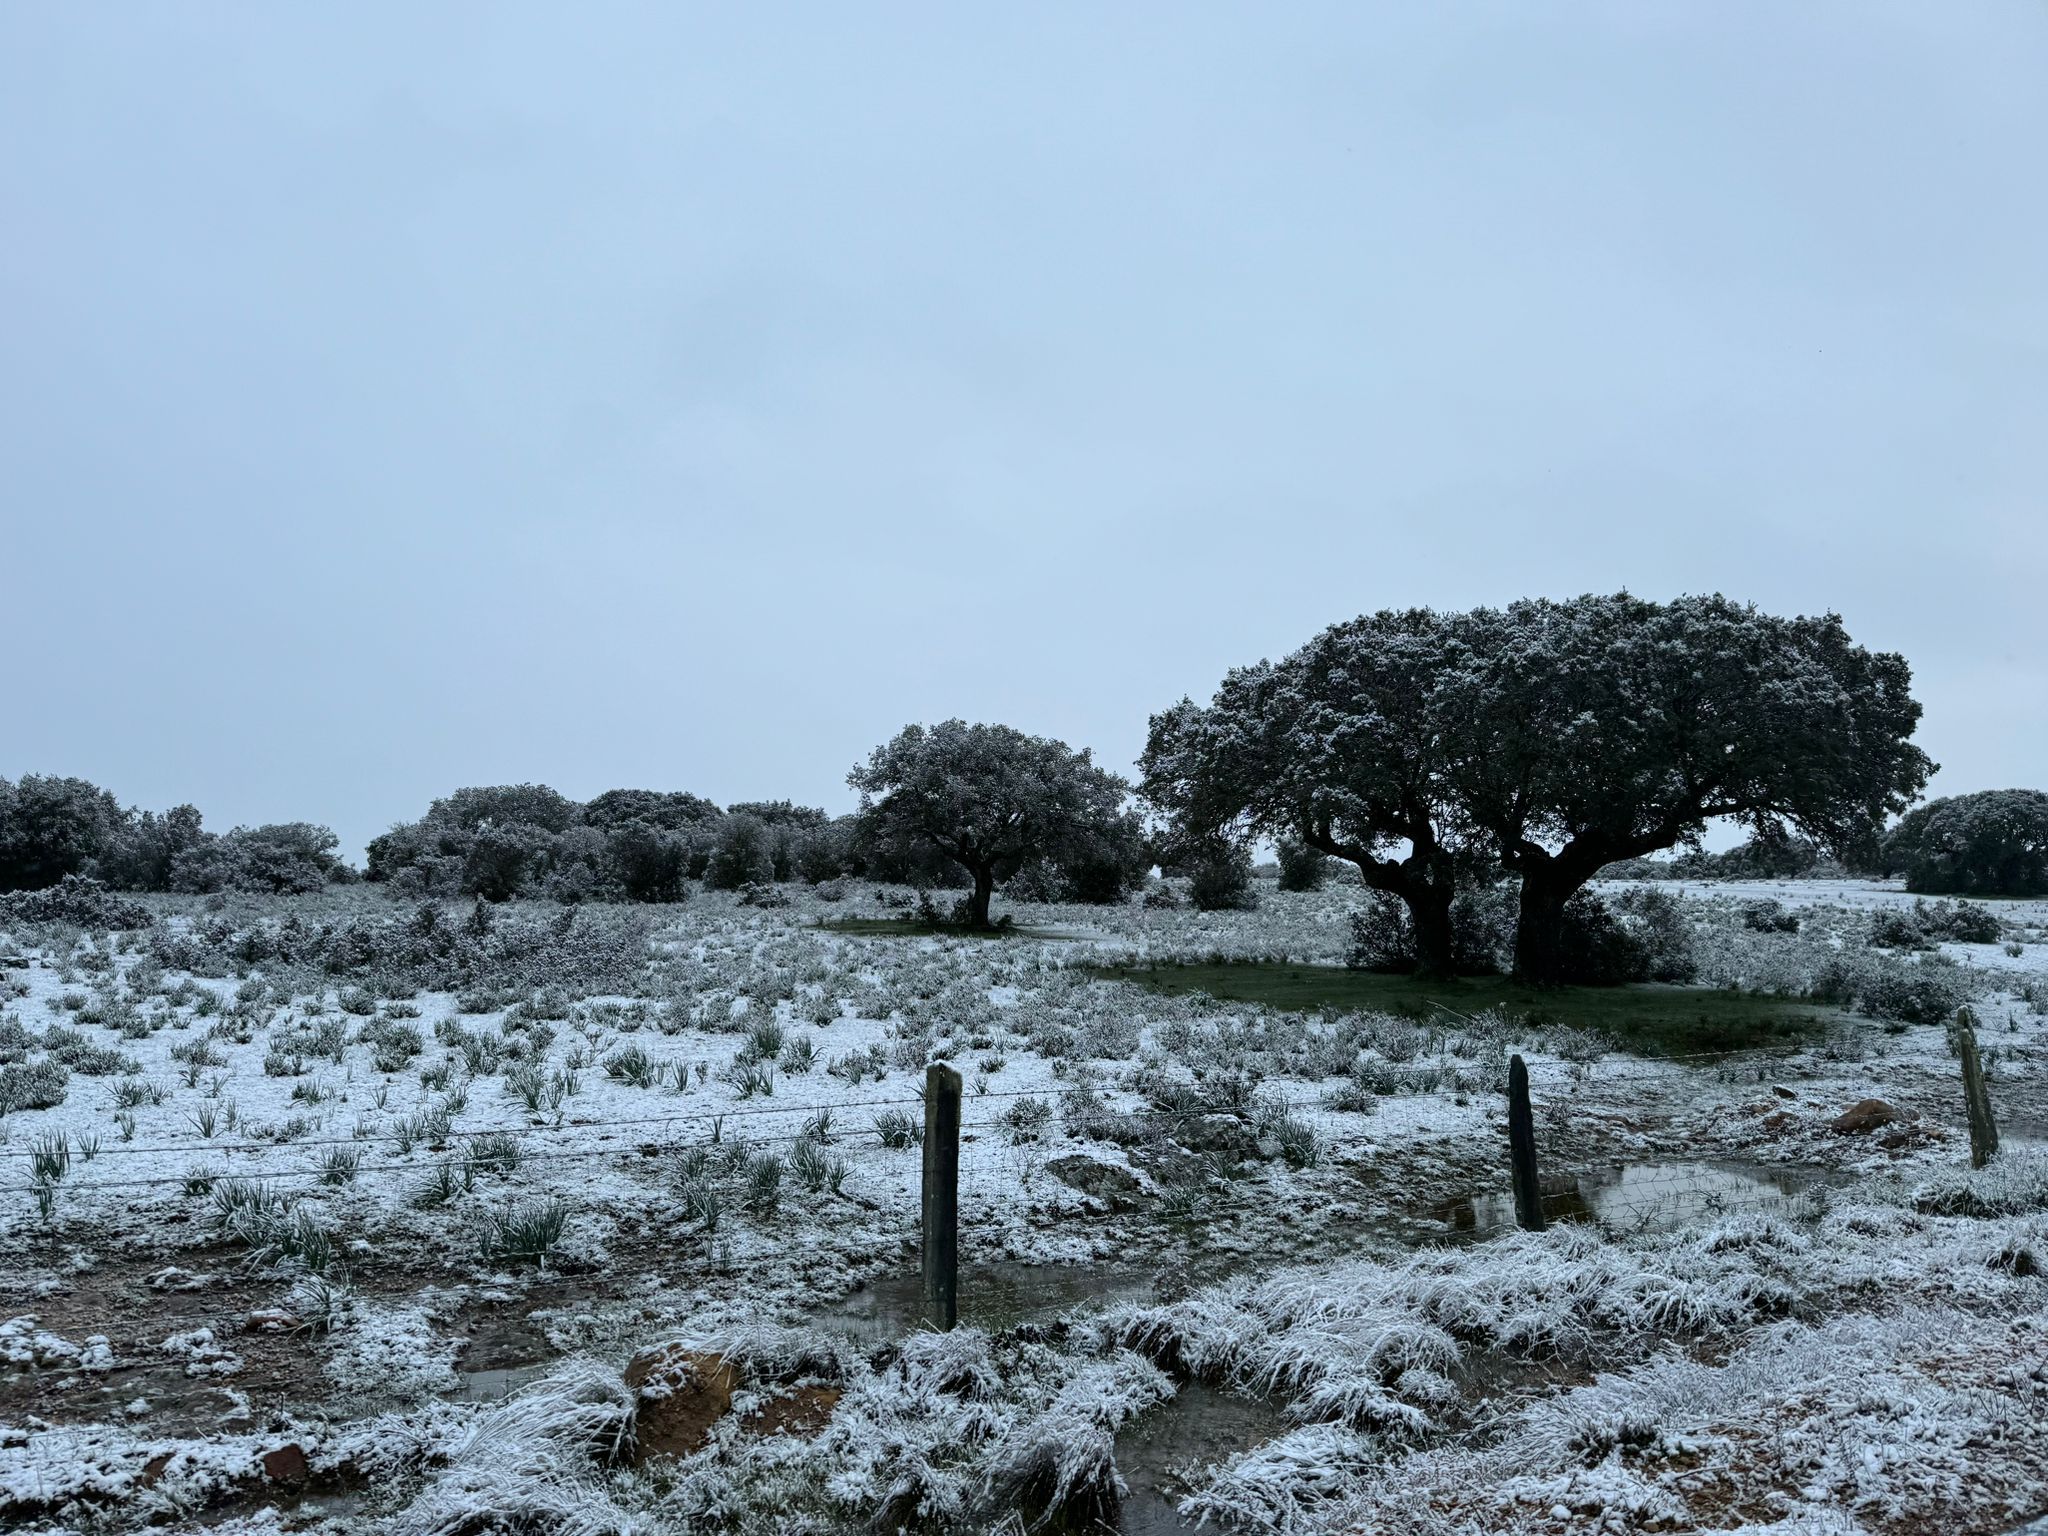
{"type": "Point", "coordinates": [1976, 1097]}
{"type": "Point", "coordinates": [1522, 1149]}
{"type": "Point", "coordinates": [941, 1196]}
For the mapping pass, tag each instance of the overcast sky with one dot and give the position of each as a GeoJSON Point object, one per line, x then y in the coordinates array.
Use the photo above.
{"type": "Point", "coordinates": [396, 397]}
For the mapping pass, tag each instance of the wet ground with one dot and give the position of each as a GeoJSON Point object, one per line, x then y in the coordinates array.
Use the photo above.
{"type": "Point", "coordinates": [1162, 1454]}
{"type": "Point", "coordinates": [992, 1296]}
{"type": "Point", "coordinates": [1639, 1196]}
{"type": "Point", "coordinates": [1203, 1425]}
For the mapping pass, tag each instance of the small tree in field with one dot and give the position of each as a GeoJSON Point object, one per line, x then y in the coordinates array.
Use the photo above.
{"type": "Point", "coordinates": [988, 798]}
{"type": "Point", "coordinates": [1302, 868]}
{"type": "Point", "coordinates": [647, 861]}
{"type": "Point", "coordinates": [1220, 878]}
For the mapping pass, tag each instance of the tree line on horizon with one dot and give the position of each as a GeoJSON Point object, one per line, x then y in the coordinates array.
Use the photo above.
{"type": "Point", "coordinates": [1440, 755]}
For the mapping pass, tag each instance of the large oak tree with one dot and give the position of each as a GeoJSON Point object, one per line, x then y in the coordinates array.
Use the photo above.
{"type": "Point", "coordinates": [1610, 727]}
{"type": "Point", "coordinates": [1548, 739]}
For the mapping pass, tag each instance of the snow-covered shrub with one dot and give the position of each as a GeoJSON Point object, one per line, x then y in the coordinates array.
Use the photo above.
{"type": "Point", "coordinates": [1768, 915]}
{"type": "Point", "coordinates": [584, 951]}
{"type": "Point", "coordinates": [81, 902]}
{"type": "Point", "coordinates": [1892, 929]}
{"type": "Point", "coordinates": [1927, 991]}
{"type": "Point", "coordinates": [1220, 880]}
{"type": "Point", "coordinates": [1382, 936]}
{"type": "Point", "coordinates": [1284, 1483]}
{"type": "Point", "coordinates": [32, 1085]}
{"type": "Point", "coordinates": [1060, 1464]}
{"type": "Point", "coordinates": [531, 1230]}
{"type": "Point", "coordinates": [1958, 922]}
{"type": "Point", "coordinates": [1912, 1421]}
{"type": "Point", "coordinates": [1657, 924]}
{"type": "Point", "coordinates": [1302, 868]}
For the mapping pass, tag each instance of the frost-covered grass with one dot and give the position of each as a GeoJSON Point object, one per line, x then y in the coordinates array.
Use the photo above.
{"type": "Point", "coordinates": [1921, 1420]}
{"type": "Point", "coordinates": [618, 1127]}
{"type": "Point", "coordinates": [1866, 1359]}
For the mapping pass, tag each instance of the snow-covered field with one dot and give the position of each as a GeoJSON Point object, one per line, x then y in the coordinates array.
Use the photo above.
{"type": "Point", "coordinates": [334, 1213]}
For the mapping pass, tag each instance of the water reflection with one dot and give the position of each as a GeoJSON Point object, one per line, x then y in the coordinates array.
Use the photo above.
{"type": "Point", "coordinates": [992, 1296]}
{"type": "Point", "coordinates": [1651, 1197]}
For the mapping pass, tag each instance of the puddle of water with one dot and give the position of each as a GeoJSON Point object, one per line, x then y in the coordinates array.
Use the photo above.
{"type": "Point", "coordinates": [1199, 1427]}
{"type": "Point", "coordinates": [500, 1381]}
{"type": "Point", "coordinates": [1648, 1196]}
{"type": "Point", "coordinates": [992, 1296]}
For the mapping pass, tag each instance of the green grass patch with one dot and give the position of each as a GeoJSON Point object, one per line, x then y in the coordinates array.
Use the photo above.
{"type": "Point", "coordinates": [922, 928]}
{"type": "Point", "coordinates": [1646, 1020]}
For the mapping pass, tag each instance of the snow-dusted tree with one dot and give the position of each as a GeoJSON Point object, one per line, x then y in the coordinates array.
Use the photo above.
{"type": "Point", "coordinates": [1994, 843]}
{"type": "Point", "coordinates": [1302, 868]}
{"type": "Point", "coordinates": [671, 810]}
{"type": "Point", "coordinates": [1344, 747]}
{"type": "Point", "coordinates": [989, 797]}
{"type": "Point", "coordinates": [647, 861]}
{"type": "Point", "coordinates": [51, 827]}
{"type": "Point", "coordinates": [1606, 728]}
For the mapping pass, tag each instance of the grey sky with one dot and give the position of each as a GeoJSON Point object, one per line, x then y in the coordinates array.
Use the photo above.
{"type": "Point", "coordinates": [399, 397]}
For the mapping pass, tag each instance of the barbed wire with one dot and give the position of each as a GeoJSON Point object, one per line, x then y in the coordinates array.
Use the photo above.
{"type": "Point", "coordinates": [714, 1118]}
{"type": "Point", "coordinates": [302, 1178]}
{"type": "Point", "coordinates": [1576, 1072]}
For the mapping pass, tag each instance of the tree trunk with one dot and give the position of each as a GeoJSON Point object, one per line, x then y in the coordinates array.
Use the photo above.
{"type": "Point", "coordinates": [1429, 910]}
{"type": "Point", "coordinates": [977, 901]}
{"type": "Point", "coordinates": [1539, 927]}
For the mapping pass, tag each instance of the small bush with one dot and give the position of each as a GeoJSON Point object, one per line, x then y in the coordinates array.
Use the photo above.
{"type": "Point", "coordinates": [1897, 930]}
{"type": "Point", "coordinates": [78, 901]}
{"type": "Point", "coordinates": [1220, 880]}
{"type": "Point", "coordinates": [897, 1129]}
{"type": "Point", "coordinates": [1958, 922]}
{"type": "Point", "coordinates": [701, 1201]}
{"type": "Point", "coordinates": [1027, 1119]}
{"type": "Point", "coordinates": [531, 1231]}
{"type": "Point", "coordinates": [766, 1037]}
{"type": "Point", "coordinates": [493, 1152]}
{"type": "Point", "coordinates": [37, 1085]}
{"type": "Point", "coordinates": [1769, 916]}
{"type": "Point", "coordinates": [631, 1064]}
{"type": "Point", "coordinates": [1926, 993]}
{"type": "Point", "coordinates": [50, 1157]}
{"type": "Point", "coordinates": [446, 1181]}
{"type": "Point", "coordinates": [1302, 868]}
{"type": "Point", "coordinates": [764, 1183]}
